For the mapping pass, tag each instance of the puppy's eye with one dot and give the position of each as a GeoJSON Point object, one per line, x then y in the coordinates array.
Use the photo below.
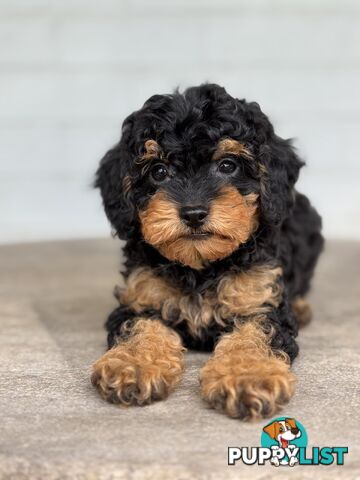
{"type": "Point", "coordinates": [159, 172]}
{"type": "Point", "coordinates": [227, 166]}
{"type": "Point", "coordinates": [281, 429]}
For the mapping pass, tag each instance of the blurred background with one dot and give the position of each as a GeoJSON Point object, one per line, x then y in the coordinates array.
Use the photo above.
{"type": "Point", "coordinates": [71, 71]}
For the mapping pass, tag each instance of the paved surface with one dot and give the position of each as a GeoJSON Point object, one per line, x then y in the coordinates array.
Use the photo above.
{"type": "Point", "coordinates": [54, 298]}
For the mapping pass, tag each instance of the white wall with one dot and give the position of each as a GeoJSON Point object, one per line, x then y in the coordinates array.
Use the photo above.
{"type": "Point", "coordinates": [71, 70]}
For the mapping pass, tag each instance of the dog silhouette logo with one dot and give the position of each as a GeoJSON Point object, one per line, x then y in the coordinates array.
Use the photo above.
{"type": "Point", "coordinates": [284, 436]}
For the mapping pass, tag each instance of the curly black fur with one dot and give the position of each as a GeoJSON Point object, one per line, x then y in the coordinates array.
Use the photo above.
{"type": "Point", "coordinates": [188, 126]}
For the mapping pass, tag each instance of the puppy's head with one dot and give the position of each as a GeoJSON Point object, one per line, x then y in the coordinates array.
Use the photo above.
{"type": "Point", "coordinates": [196, 174]}
{"type": "Point", "coordinates": [283, 431]}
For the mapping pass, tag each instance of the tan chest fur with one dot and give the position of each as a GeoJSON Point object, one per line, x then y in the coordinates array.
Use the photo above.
{"type": "Point", "coordinates": [237, 295]}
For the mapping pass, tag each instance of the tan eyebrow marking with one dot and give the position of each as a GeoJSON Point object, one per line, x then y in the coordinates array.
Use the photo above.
{"type": "Point", "coordinates": [230, 146]}
{"type": "Point", "coordinates": [152, 151]}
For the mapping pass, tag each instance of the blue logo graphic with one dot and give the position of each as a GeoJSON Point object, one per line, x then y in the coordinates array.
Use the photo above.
{"type": "Point", "coordinates": [285, 436]}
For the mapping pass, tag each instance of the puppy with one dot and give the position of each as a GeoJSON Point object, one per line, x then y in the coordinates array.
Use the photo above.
{"type": "Point", "coordinates": [220, 249]}
{"type": "Point", "coordinates": [283, 431]}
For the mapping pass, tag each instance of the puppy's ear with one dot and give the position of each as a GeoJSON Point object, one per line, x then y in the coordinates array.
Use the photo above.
{"type": "Point", "coordinates": [280, 168]}
{"type": "Point", "coordinates": [281, 172]}
{"type": "Point", "coordinates": [270, 430]}
{"type": "Point", "coordinates": [291, 422]}
{"type": "Point", "coordinates": [114, 181]}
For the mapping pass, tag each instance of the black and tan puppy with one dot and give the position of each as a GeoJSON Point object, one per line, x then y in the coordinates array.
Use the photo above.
{"type": "Point", "coordinates": [220, 251]}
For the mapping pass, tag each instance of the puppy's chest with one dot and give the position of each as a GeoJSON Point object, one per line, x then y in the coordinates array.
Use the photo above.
{"type": "Point", "coordinates": [235, 295]}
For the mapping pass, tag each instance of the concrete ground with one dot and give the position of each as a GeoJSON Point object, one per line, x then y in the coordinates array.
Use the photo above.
{"type": "Point", "coordinates": [54, 298]}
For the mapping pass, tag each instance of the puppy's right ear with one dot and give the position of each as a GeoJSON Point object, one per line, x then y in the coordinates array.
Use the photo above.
{"type": "Point", "coordinates": [114, 181]}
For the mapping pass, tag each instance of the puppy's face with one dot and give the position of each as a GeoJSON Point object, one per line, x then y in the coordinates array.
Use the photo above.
{"type": "Point", "coordinates": [202, 204]}
{"type": "Point", "coordinates": [190, 175]}
{"type": "Point", "coordinates": [283, 431]}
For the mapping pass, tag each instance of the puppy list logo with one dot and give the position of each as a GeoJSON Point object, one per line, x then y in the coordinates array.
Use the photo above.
{"type": "Point", "coordinates": [284, 437]}
{"type": "Point", "coordinates": [283, 443]}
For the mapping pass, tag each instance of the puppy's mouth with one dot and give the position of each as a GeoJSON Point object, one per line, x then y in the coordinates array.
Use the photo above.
{"type": "Point", "coordinates": [198, 235]}
{"type": "Point", "coordinates": [284, 443]}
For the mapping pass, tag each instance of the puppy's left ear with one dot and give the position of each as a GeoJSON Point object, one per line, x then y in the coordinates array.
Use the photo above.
{"type": "Point", "coordinates": [291, 422]}
{"type": "Point", "coordinates": [281, 168]}
{"type": "Point", "coordinates": [113, 179]}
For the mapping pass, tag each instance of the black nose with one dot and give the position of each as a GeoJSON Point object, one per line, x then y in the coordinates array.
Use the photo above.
{"type": "Point", "coordinates": [194, 216]}
{"type": "Point", "coordinates": [295, 431]}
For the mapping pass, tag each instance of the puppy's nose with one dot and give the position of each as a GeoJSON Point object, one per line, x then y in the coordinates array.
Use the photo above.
{"type": "Point", "coordinates": [194, 216]}
{"type": "Point", "coordinates": [295, 431]}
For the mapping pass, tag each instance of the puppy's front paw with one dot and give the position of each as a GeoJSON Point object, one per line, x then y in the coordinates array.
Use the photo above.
{"type": "Point", "coordinates": [142, 369]}
{"type": "Point", "coordinates": [247, 387]}
{"type": "Point", "coordinates": [126, 378]}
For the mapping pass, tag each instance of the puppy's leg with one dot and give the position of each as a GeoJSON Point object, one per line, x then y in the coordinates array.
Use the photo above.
{"type": "Point", "coordinates": [302, 311]}
{"type": "Point", "coordinates": [144, 367]}
{"type": "Point", "coordinates": [245, 377]}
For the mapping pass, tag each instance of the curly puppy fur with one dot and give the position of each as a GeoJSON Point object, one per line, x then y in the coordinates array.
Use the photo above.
{"type": "Point", "coordinates": [143, 368]}
{"type": "Point", "coordinates": [245, 377]}
{"type": "Point", "coordinates": [220, 250]}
